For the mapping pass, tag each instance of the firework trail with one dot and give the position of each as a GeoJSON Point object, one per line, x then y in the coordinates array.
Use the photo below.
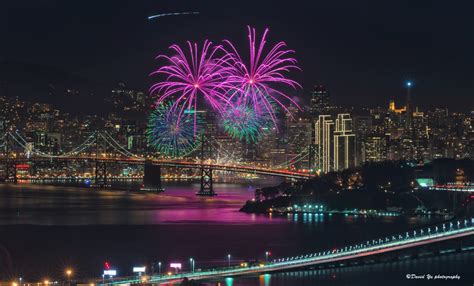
{"type": "Point", "coordinates": [200, 73]}
{"type": "Point", "coordinates": [258, 78]}
{"type": "Point", "coordinates": [168, 135]}
{"type": "Point", "coordinates": [172, 14]}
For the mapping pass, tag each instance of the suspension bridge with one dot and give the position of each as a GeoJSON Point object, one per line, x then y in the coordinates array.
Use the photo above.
{"type": "Point", "coordinates": [402, 241]}
{"type": "Point", "coordinates": [103, 149]}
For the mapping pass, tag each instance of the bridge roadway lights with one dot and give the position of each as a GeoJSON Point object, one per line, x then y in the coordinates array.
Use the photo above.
{"type": "Point", "coordinates": [354, 256]}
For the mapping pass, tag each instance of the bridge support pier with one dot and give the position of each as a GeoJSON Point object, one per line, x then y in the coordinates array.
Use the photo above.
{"type": "Point", "coordinates": [152, 178]}
{"type": "Point", "coordinates": [206, 170]}
{"type": "Point", "coordinates": [101, 174]}
{"type": "Point", "coordinates": [206, 183]}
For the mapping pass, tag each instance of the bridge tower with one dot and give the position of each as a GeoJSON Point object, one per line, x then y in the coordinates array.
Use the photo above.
{"type": "Point", "coordinates": [207, 152]}
{"type": "Point", "coordinates": [152, 177]}
{"type": "Point", "coordinates": [9, 162]}
{"type": "Point", "coordinates": [100, 165]}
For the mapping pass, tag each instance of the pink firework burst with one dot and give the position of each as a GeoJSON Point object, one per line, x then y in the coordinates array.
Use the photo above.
{"type": "Point", "coordinates": [200, 73]}
{"type": "Point", "coordinates": [255, 81]}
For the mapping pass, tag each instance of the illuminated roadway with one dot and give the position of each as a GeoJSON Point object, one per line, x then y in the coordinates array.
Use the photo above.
{"type": "Point", "coordinates": [420, 237]}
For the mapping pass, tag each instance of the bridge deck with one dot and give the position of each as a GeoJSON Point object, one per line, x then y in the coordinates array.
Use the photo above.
{"type": "Point", "coordinates": [179, 164]}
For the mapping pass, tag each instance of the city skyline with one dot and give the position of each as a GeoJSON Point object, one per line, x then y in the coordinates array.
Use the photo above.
{"type": "Point", "coordinates": [212, 143]}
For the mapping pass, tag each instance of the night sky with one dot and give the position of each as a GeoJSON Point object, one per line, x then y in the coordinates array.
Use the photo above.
{"type": "Point", "coordinates": [362, 50]}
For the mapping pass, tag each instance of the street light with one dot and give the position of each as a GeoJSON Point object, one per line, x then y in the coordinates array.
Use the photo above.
{"type": "Point", "coordinates": [191, 261]}
{"type": "Point", "coordinates": [267, 253]}
{"type": "Point", "coordinates": [228, 259]}
{"type": "Point", "coordinates": [69, 273]}
{"type": "Point", "coordinates": [159, 268]}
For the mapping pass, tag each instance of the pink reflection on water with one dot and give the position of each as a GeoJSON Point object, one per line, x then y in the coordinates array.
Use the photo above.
{"type": "Point", "coordinates": [45, 205]}
{"type": "Point", "coordinates": [181, 205]}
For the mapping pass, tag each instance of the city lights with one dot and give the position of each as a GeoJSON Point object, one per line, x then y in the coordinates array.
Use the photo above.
{"type": "Point", "coordinates": [244, 143]}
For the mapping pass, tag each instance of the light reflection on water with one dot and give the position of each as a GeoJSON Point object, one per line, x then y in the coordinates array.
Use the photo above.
{"type": "Point", "coordinates": [173, 226]}
{"type": "Point", "coordinates": [46, 205]}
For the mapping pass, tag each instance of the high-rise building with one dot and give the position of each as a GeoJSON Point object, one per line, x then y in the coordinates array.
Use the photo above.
{"type": "Point", "coordinates": [374, 149]}
{"type": "Point", "coordinates": [335, 143]}
{"type": "Point", "coordinates": [319, 103]}
{"type": "Point", "coordinates": [363, 126]}
{"type": "Point", "coordinates": [298, 132]}
{"type": "Point", "coordinates": [324, 135]}
{"type": "Point", "coordinates": [344, 143]}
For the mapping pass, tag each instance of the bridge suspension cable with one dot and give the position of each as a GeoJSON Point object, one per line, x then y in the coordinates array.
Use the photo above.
{"type": "Point", "coordinates": [117, 147]}
{"type": "Point", "coordinates": [81, 147]}
{"type": "Point", "coordinates": [297, 158]}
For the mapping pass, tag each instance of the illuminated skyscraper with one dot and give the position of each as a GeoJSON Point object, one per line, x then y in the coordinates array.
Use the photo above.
{"type": "Point", "coordinates": [344, 143]}
{"type": "Point", "coordinates": [324, 135]}
{"type": "Point", "coordinates": [335, 143]}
